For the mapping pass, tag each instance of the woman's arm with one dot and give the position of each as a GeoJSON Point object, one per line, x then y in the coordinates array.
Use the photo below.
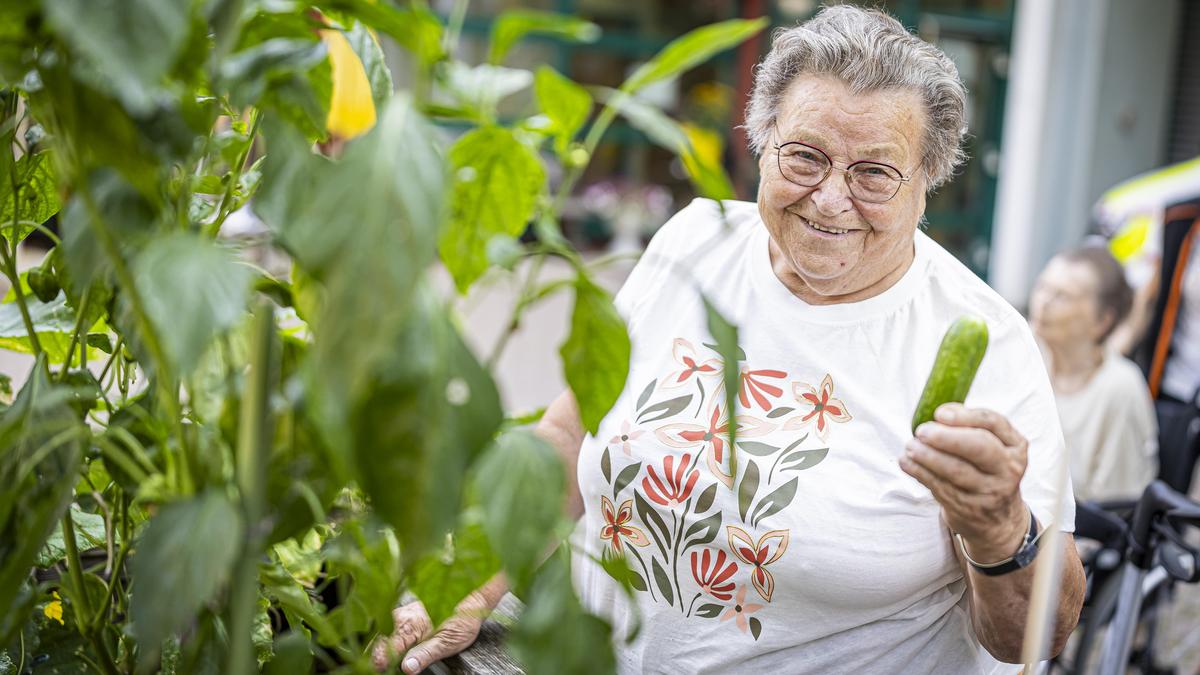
{"type": "Point", "coordinates": [414, 635]}
{"type": "Point", "coordinates": [1126, 336]}
{"type": "Point", "coordinates": [972, 460]}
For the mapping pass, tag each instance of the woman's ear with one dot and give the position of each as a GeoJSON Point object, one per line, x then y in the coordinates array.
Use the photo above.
{"type": "Point", "coordinates": [1107, 322]}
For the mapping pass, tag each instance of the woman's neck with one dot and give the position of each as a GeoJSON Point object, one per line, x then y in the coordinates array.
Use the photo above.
{"type": "Point", "coordinates": [1072, 367]}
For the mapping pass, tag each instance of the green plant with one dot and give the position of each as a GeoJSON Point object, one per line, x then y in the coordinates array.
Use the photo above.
{"type": "Point", "coordinates": [212, 467]}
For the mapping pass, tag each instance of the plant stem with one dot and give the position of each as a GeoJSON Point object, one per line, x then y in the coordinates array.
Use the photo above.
{"type": "Point", "coordinates": [115, 353]}
{"type": "Point", "coordinates": [79, 316]}
{"type": "Point", "coordinates": [523, 299]}
{"type": "Point", "coordinates": [235, 176]}
{"type": "Point", "coordinates": [170, 398]}
{"type": "Point", "coordinates": [254, 443]}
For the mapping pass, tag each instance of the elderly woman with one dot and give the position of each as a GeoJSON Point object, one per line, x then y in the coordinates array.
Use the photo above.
{"type": "Point", "coordinates": [1103, 401]}
{"type": "Point", "coordinates": [835, 541]}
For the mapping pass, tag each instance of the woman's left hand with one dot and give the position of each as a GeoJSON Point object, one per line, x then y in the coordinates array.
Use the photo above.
{"type": "Point", "coordinates": [972, 460]}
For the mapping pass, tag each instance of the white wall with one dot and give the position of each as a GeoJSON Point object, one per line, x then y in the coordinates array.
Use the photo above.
{"type": "Point", "coordinates": [1089, 87]}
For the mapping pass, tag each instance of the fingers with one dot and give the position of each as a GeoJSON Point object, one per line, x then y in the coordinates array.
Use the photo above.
{"type": "Point", "coordinates": [412, 626]}
{"type": "Point", "coordinates": [946, 467]}
{"type": "Point", "coordinates": [455, 635]}
{"type": "Point", "coordinates": [959, 415]}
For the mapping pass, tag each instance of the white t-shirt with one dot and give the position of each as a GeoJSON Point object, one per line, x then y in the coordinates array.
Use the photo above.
{"type": "Point", "coordinates": [1111, 432]}
{"type": "Point", "coordinates": [829, 559]}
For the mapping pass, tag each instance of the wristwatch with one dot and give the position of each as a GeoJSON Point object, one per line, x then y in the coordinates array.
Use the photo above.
{"type": "Point", "coordinates": [1019, 560]}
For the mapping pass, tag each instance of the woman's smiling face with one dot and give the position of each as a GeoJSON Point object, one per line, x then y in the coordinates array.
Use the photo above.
{"type": "Point", "coordinates": [826, 245]}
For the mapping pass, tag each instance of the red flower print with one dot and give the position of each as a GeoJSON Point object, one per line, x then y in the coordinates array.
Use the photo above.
{"type": "Point", "coordinates": [824, 407]}
{"type": "Point", "coordinates": [752, 386]}
{"type": "Point", "coordinates": [685, 356]}
{"type": "Point", "coordinates": [675, 490]}
{"type": "Point", "coordinates": [615, 527]}
{"type": "Point", "coordinates": [740, 610]}
{"type": "Point", "coordinates": [758, 555]}
{"type": "Point", "coordinates": [714, 438]}
{"type": "Point", "coordinates": [715, 580]}
{"type": "Point", "coordinates": [625, 437]}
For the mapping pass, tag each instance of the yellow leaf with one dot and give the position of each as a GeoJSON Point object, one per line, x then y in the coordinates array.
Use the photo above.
{"type": "Point", "coordinates": [351, 108]}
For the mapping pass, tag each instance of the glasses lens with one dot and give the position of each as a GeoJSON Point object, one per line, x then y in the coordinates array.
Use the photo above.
{"type": "Point", "coordinates": [802, 164]}
{"type": "Point", "coordinates": [872, 182]}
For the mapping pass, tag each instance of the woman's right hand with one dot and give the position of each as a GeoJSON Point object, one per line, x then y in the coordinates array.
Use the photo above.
{"type": "Point", "coordinates": [415, 640]}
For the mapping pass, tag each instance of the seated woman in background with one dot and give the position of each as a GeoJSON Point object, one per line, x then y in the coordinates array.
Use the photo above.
{"type": "Point", "coordinates": [1103, 403]}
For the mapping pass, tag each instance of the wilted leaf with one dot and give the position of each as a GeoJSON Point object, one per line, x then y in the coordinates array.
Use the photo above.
{"type": "Point", "coordinates": [186, 554]}
{"type": "Point", "coordinates": [513, 25]}
{"type": "Point", "coordinates": [496, 183]}
{"type": "Point", "coordinates": [191, 290]}
{"type": "Point", "coordinates": [595, 354]}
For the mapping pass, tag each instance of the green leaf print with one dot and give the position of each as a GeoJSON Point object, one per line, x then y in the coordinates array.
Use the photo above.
{"type": "Point", "coordinates": [775, 502]}
{"type": "Point", "coordinates": [664, 582]}
{"type": "Point", "coordinates": [755, 627]}
{"type": "Point", "coordinates": [705, 500]}
{"type": "Point", "coordinates": [709, 611]}
{"type": "Point", "coordinates": [652, 520]}
{"type": "Point", "coordinates": [758, 449]}
{"type": "Point", "coordinates": [779, 412]}
{"type": "Point", "coordinates": [748, 488]}
{"type": "Point", "coordinates": [667, 408]}
{"type": "Point", "coordinates": [606, 468]}
{"type": "Point", "coordinates": [625, 478]}
{"type": "Point", "coordinates": [645, 397]}
{"type": "Point", "coordinates": [707, 529]}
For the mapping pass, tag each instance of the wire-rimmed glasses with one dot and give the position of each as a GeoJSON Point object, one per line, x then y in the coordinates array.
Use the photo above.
{"type": "Point", "coordinates": [807, 165]}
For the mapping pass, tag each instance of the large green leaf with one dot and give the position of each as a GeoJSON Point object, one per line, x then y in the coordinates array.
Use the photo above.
{"type": "Point", "coordinates": [709, 179]}
{"type": "Point", "coordinates": [89, 533]}
{"type": "Point", "coordinates": [134, 43]}
{"type": "Point", "coordinates": [184, 557]}
{"type": "Point", "coordinates": [368, 553]}
{"type": "Point", "coordinates": [520, 483]}
{"type": "Point", "coordinates": [514, 25]}
{"type": "Point", "coordinates": [428, 412]}
{"type": "Point", "coordinates": [497, 180]}
{"type": "Point", "coordinates": [417, 29]}
{"type": "Point", "coordinates": [36, 198]}
{"type": "Point", "coordinates": [37, 477]}
{"type": "Point", "coordinates": [566, 104]}
{"type": "Point", "coordinates": [374, 63]}
{"type": "Point", "coordinates": [192, 290]}
{"type": "Point", "coordinates": [692, 49]}
{"type": "Point", "coordinates": [553, 615]}
{"type": "Point", "coordinates": [443, 578]}
{"type": "Point", "coordinates": [596, 353]}
{"type": "Point", "coordinates": [247, 72]}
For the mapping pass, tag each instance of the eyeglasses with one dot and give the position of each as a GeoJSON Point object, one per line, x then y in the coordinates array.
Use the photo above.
{"type": "Point", "coordinates": [808, 166]}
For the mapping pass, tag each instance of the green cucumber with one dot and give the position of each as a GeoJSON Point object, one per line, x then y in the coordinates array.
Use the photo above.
{"type": "Point", "coordinates": [954, 369]}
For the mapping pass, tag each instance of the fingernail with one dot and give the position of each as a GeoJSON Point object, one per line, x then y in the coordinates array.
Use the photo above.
{"type": "Point", "coordinates": [411, 665]}
{"type": "Point", "coordinates": [922, 430]}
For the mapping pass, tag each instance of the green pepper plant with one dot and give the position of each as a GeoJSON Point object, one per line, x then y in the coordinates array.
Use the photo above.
{"type": "Point", "coordinates": [217, 466]}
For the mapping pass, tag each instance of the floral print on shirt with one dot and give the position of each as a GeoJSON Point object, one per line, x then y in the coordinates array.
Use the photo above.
{"type": "Point", "coordinates": [668, 515]}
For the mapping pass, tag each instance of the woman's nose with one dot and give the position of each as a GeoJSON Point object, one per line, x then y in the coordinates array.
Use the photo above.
{"type": "Point", "coordinates": [832, 196]}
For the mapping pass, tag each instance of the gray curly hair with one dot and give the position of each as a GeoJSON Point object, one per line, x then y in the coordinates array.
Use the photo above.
{"type": "Point", "coordinates": [869, 51]}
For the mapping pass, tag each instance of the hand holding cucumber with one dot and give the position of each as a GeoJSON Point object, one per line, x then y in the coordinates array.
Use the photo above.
{"type": "Point", "coordinates": [971, 459]}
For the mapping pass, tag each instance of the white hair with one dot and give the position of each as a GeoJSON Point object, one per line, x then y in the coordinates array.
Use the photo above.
{"type": "Point", "coordinates": [868, 51]}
